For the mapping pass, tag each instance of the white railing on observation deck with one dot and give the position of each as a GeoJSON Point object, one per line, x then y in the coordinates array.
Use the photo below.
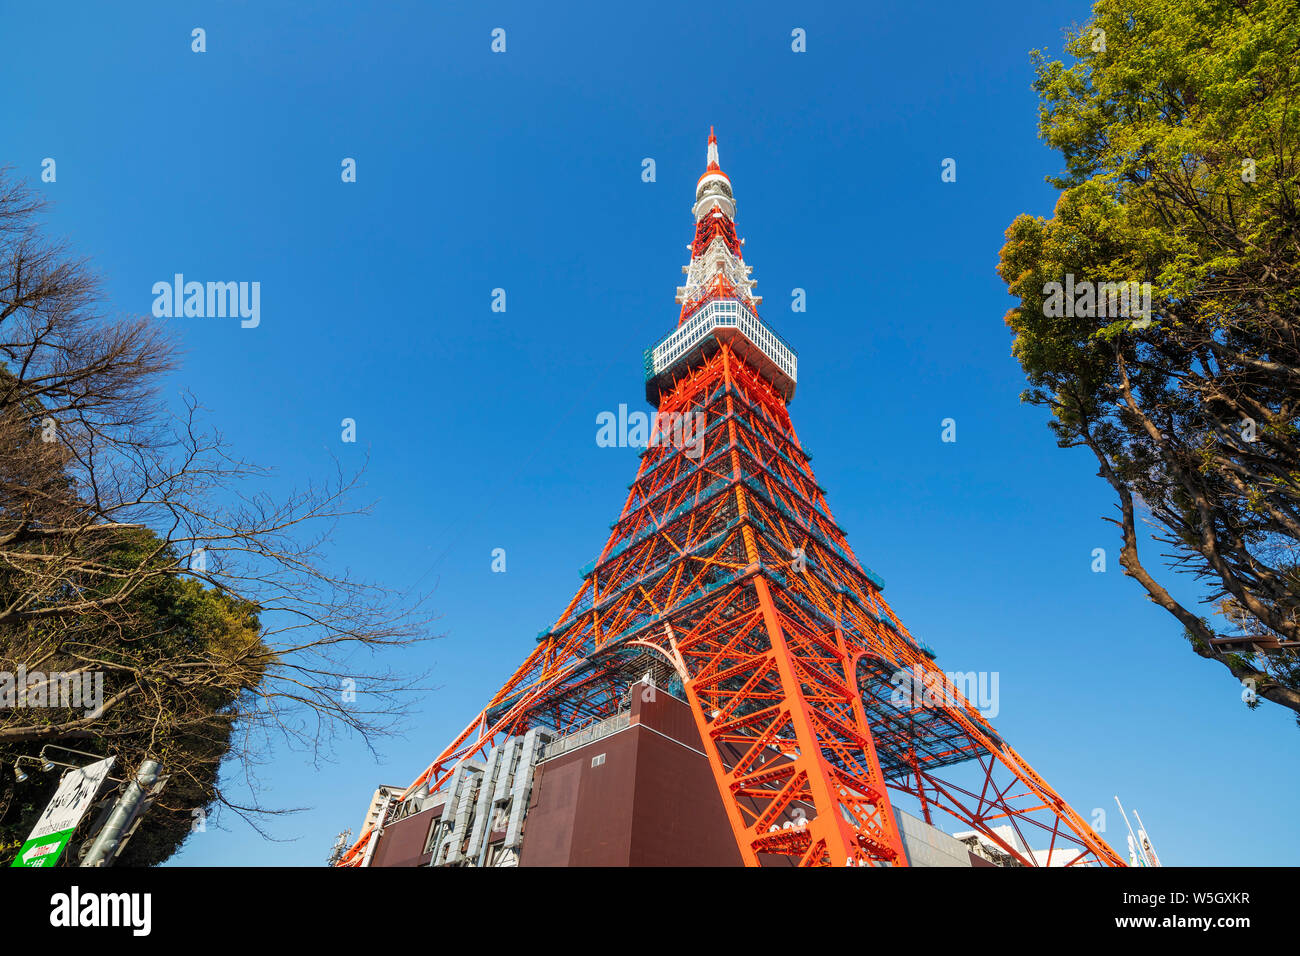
{"type": "Point", "coordinates": [722, 313]}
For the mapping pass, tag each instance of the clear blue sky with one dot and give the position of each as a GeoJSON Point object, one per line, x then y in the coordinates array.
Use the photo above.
{"type": "Point", "coordinates": [523, 171]}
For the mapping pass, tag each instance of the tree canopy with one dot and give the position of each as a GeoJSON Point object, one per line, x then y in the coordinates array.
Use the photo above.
{"type": "Point", "coordinates": [1178, 122]}
{"type": "Point", "coordinates": [179, 676]}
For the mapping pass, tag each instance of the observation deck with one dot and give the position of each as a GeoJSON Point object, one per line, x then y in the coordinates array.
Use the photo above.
{"type": "Point", "coordinates": [727, 321]}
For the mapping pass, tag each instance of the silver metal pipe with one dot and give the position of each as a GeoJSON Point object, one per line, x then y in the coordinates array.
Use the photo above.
{"type": "Point", "coordinates": [109, 840]}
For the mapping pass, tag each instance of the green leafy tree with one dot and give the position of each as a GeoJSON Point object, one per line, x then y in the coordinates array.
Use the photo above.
{"type": "Point", "coordinates": [193, 660]}
{"type": "Point", "coordinates": [1179, 125]}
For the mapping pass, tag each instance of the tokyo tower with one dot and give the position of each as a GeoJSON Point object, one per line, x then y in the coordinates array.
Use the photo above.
{"type": "Point", "coordinates": [727, 590]}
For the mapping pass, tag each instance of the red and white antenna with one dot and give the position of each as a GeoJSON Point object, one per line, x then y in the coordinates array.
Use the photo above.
{"type": "Point", "coordinates": [717, 268]}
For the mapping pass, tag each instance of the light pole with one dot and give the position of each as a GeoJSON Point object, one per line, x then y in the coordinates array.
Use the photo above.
{"type": "Point", "coordinates": [109, 840]}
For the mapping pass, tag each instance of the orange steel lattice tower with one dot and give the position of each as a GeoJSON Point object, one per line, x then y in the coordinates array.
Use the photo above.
{"type": "Point", "coordinates": [727, 572]}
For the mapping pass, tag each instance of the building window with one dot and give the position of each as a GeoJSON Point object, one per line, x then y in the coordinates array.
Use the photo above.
{"type": "Point", "coordinates": [597, 760]}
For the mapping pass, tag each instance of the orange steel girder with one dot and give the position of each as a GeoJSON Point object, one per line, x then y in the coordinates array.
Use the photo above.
{"type": "Point", "coordinates": [729, 566]}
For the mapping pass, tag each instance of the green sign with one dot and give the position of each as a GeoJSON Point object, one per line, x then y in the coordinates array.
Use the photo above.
{"type": "Point", "coordinates": [76, 792]}
{"type": "Point", "coordinates": [43, 851]}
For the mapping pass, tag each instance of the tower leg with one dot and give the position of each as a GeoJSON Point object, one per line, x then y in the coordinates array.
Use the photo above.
{"type": "Point", "coordinates": [786, 737]}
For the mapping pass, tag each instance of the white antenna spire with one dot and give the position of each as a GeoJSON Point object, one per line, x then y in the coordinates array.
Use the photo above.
{"type": "Point", "coordinates": [1145, 841]}
{"type": "Point", "coordinates": [1132, 835]}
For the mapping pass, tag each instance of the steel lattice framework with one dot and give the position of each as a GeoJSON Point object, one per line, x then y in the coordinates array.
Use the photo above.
{"type": "Point", "coordinates": [727, 567]}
